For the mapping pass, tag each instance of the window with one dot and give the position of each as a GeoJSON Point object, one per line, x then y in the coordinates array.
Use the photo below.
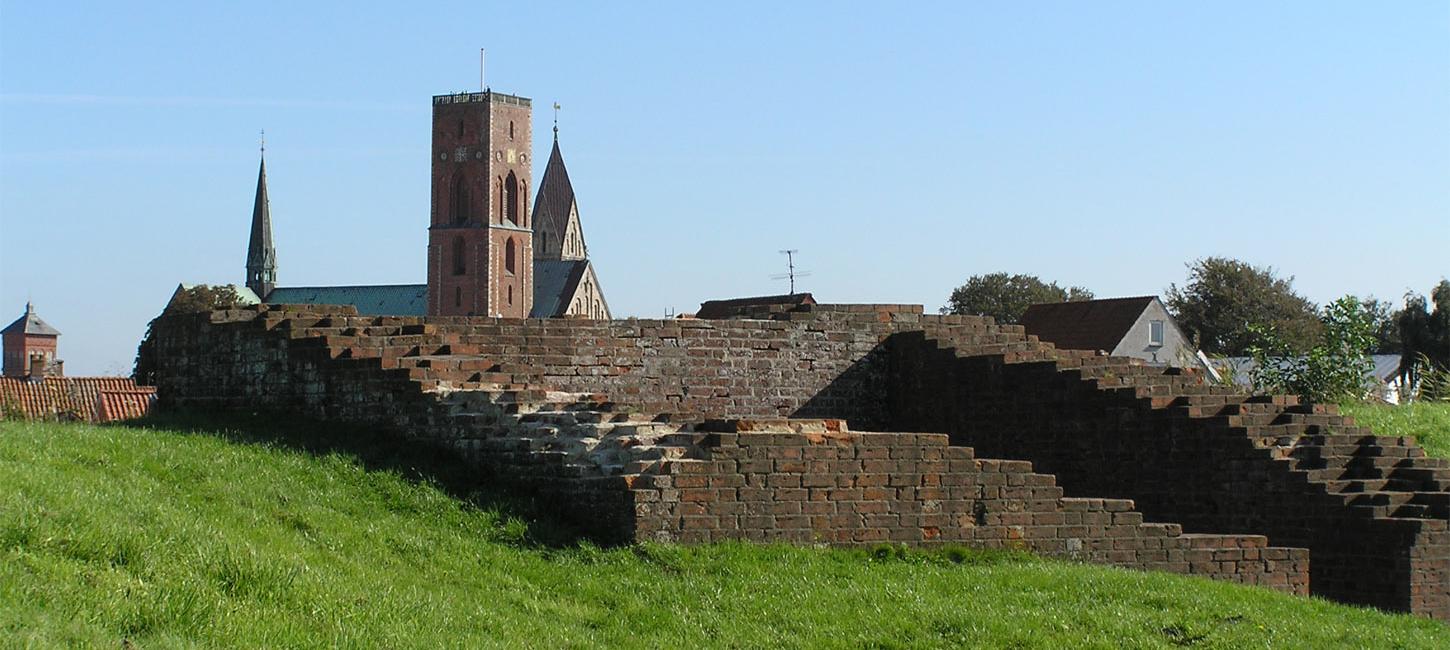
{"type": "Point", "coordinates": [509, 256]}
{"type": "Point", "coordinates": [460, 257]}
{"type": "Point", "coordinates": [544, 241]}
{"type": "Point", "coordinates": [511, 295]}
{"type": "Point", "coordinates": [1155, 333]}
{"type": "Point", "coordinates": [457, 296]}
{"type": "Point", "coordinates": [511, 198]}
{"type": "Point", "coordinates": [511, 129]}
{"type": "Point", "coordinates": [459, 205]}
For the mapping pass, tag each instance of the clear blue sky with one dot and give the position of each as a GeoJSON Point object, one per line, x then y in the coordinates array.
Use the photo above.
{"type": "Point", "coordinates": [902, 147]}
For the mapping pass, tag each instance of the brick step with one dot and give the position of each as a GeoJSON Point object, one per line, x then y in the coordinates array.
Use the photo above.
{"type": "Point", "coordinates": [1406, 471]}
{"type": "Point", "coordinates": [1349, 486]}
{"type": "Point", "coordinates": [450, 362]}
{"type": "Point", "coordinates": [1392, 498]}
{"type": "Point", "coordinates": [1407, 511]}
{"type": "Point", "coordinates": [1345, 453]}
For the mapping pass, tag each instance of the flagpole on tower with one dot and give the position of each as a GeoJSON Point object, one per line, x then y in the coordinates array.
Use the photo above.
{"type": "Point", "coordinates": [481, 87]}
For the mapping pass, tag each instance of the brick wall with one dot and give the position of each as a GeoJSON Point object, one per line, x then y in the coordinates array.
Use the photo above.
{"type": "Point", "coordinates": [603, 414]}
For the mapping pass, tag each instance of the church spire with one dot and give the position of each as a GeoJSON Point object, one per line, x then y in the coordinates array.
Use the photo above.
{"type": "Point", "coordinates": [261, 256]}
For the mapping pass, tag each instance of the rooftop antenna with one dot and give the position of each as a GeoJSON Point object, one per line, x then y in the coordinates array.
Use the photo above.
{"type": "Point", "coordinates": [481, 87]}
{"type": "Point", "coordinates": [791, 274]}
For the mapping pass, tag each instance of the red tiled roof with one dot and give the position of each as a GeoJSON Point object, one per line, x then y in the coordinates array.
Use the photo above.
{"type": "Point", "coordinates": [719, 309]}
{"type": "Point", "coordinates": [1085, 325]}
{"type": "Point", "coordinates": [114, 405]}
{"type": "Point", "coordinates": [78, 398]}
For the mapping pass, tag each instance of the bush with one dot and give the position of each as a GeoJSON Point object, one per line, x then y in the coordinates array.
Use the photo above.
{"type": "Point", "coordinates": [1334, 370]}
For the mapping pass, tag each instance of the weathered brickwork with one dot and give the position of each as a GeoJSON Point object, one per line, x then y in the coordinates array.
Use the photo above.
{"type": "Point", "coordinates": [1372, 510]}
{"type": "Point", "coordinates": [674, 429]}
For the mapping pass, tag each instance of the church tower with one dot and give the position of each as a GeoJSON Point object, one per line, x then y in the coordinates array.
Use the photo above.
{"type": "Point", "coordinates": [261, 256]}
{"type": "Point", "coordinates": [480, 237]}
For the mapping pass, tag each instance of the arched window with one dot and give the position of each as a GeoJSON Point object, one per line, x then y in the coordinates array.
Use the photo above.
{"type": "Point", "coordinates": [511, 129]}
{"type": "Point", "coordinates": [524, 203]}
{"type": "Point", "coordinates": [460, 257]}
{"type": "Point", "coordinates": [511, 198]}
{"type": "Point", "coordinates": [544, 241]}
{"type": "Point", "coordinates": [459, 205]}
{"type": "Point", "coordinates": [511, 295]}
{"type": "Point", "coordinates": [509, 256]}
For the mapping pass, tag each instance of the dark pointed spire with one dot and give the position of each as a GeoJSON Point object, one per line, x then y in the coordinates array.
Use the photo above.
{"type": "Point", "coordinates": [261, 256]}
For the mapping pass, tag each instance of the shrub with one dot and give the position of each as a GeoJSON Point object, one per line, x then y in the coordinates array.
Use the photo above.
{"type": "Point", "coordinates": [1334, 370]}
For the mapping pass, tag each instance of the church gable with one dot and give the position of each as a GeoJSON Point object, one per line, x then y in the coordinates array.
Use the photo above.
{"type": "Point", "coordinates": [571, 241]}
{"type": "Point", "coordinates": [587, 299]}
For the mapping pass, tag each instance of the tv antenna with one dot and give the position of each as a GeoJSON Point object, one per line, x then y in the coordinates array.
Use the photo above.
{"type": "Point", "coordinates": [791, 274]}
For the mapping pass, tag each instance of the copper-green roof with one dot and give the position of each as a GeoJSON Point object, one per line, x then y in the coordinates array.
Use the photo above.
{"type": "Point", "coordinates": [370, 300]}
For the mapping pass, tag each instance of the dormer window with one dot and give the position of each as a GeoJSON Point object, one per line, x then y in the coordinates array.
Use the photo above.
{"type": "Point", "coordinates": [1155, 333]}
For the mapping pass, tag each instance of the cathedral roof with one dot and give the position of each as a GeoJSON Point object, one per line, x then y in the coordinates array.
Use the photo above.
{"type": "Point", "coordinates": [29, 323]}
{"type": "Point", "coordinates": [370, 300]}
{"type": "Point", "coordinates": [556, 195]}
{"type": "Point", "coordinates": [555, 282]}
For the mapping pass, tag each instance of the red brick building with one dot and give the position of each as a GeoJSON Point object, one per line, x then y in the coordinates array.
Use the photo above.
{"type": "Point", "coordinates": [30, 347]}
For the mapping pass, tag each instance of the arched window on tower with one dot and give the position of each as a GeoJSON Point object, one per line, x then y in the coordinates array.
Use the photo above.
{"type": "Point", "coordinates": [460, 257]}
{"type": "Point", "coordinates": [509, 256]}
{"type": "Point", "coordinates": [459, 205]}
{"type": "Point", "coordinates": [524, 203]}
{"type": "Point", "coordinates": [511, 198]}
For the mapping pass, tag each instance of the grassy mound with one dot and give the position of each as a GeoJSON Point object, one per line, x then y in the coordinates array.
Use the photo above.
{"type": "Point", "coordinates": [168, 537]}
{"type": "Point", "coordinates": [1429, 423]}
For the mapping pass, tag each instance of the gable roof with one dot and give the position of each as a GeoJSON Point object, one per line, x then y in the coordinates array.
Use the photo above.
{"type": "Point", "coordinates": [1086, 324]}
{"type": "Point", "coordinates": [77, 397]}
{"type": "Point", "coordinates": [370, 300]}
{"type": "Point", "coordinates": [29, 323]}
{"type": "Point", "coordinates": [717, 309]}
{"type": "Point", "coordinates": [555, 281]}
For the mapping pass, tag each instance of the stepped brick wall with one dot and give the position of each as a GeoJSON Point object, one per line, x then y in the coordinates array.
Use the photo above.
{"type": "Point", "coordinates": [1372, 510]}
{"type": "Point", "coordinates": [622, 421]}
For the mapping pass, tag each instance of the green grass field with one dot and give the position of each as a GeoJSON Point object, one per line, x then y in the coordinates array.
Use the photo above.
{"type": "Point", "coordinates": [289, 536]}
{"type": "Point", "coordinates": [1428, 423]}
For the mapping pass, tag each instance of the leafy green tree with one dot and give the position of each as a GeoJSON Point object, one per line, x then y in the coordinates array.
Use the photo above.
{"type": "Point", "coordinates": [1386, 325]}
{"type": "Point", "coordinates": [1425, 334]}
{"type": "Point", "coordinates": [1225, 297]}
{"type": "Point", "coordinates": [189, 300]}
{"type": "Point", "coordinates": [1005, 297]}
{"type": "Point", "coordinates": [1333, 370]}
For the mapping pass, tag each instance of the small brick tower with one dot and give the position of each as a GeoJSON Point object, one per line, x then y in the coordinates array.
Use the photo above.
{"type": "Point", "coordinates": [261, 256]}
{"type": "Point", "coordinates": [30, 347]}
{"type": "Point", "coordinates": [480, 237]}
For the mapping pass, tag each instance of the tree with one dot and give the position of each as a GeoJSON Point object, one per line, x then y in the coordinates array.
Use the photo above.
{"type": "Point", "coordinates": [186, 301]}
{"type": "Point", "coordinates": [1333, 370]}
{"type": "Point", "coordinates": [1386, 325]}
{"type": "Point", "coordinates": [1224, 297]}
{"type": "Point", "coordinates": [1425, 334]}
{"type": "Point", "coordinates": [1004, 297]}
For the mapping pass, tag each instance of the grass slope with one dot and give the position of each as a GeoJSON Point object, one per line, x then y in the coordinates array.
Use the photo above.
{"type": "Point", "coordinates": [173, 538]}
{"type": "Point", "coordinates": [1428, 423]}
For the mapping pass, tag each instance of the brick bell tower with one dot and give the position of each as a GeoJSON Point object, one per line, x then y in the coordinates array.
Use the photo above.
{"type": "Point", "coordinates": [480, 236]}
